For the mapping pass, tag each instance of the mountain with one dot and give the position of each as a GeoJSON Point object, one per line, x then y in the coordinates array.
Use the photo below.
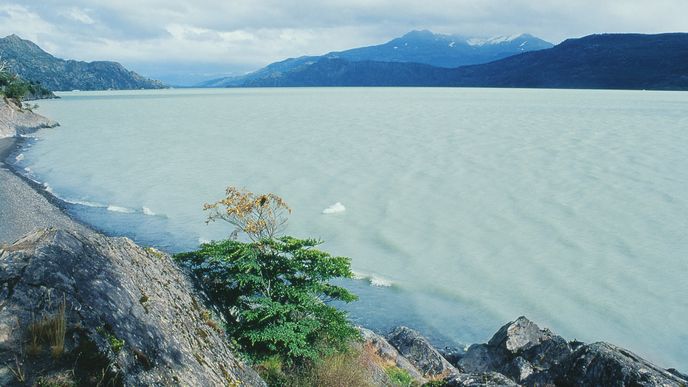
{"type": "Point", "coordinates": [32, 63]}
{"type": "Point", "coordinates": [607, 61]}
{"type": "Point", "coordinates": [422, 47]}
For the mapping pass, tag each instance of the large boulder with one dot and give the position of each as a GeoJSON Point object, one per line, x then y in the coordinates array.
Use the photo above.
{"type": "Point", "coordinates": [603, 364]}
{"type": "Point", "coordinates": [520, 350]}
{"type": "Point", "coordinates": [524, 338]}
{"type": "Point", "coordinates": [83, 307]}
{"type": "Point", "coordinates": [418, 350]}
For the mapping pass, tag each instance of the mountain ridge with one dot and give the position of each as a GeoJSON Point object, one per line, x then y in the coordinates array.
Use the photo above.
{"type": "Point", "coordinates": [417, 46]}
{"type": "Point", "coordinates": [32, 63]}
{"type": "Point", "coordinates": [601, 61]}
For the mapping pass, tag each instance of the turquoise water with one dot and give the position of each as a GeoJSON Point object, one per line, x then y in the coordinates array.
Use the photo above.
{"type": "Point", "coordinates": [464, 208]}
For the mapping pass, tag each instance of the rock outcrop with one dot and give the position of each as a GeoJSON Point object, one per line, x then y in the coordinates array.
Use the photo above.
{"type": "Point", "coordinates": [389, 355]}
{"type": "Point", "coordinates": [83, 307]}
{"type": "Point", "coordinates": [530, 355]}
{"type": "Point", "coordinates": [418, 350]}
{"type": "Point", "coordinates": [604, 364]}
{"type": "Point", "coordinates": [15, 121]}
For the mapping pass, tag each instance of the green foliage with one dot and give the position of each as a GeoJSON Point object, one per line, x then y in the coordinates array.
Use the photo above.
{"type": "Point", "coordinates": [399, 377]}
{"type": "Point", "coordinates": [271, 372]}
{"type": "Point", "coordinates": [115, 344]}
{"type": "Point", "coordinates": [13, 87]}
{"type": "Point", "coordinates": [274, 295]}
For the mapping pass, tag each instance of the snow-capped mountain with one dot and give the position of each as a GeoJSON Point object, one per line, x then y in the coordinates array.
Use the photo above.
{"type": "Point", "coordinates": [422, 47]}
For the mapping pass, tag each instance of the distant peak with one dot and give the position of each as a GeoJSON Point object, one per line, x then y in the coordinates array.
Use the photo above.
{"type": "Point", "coordinates": [419, 34]}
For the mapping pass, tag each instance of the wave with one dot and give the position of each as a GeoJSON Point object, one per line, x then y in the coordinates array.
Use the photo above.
{"type": "Point", "coordinates": [85, 203]}
{"type": "Point", "coordinates": [123, 210]}
{"type": "Point", "coordinates": [374, 280]}
{"type": "Point", "coordinates": [148, 211]}
{"type": "Point", "coordinates": [334, 209]}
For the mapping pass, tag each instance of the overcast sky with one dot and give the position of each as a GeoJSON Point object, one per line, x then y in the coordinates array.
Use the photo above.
{"type": "Point", "coordinates": [241, 35]}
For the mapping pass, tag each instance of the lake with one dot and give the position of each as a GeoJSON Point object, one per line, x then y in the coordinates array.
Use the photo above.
{"type": "Point", "coordinates": [461, 209]}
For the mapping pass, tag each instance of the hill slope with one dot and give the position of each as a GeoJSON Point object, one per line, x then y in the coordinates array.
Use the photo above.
{"type": "Point", "coordinates": [422, 47]}
{"type": "Point", "coordinates": [32, 63]}
{"type": "Point", "coordinates": [608, 61]}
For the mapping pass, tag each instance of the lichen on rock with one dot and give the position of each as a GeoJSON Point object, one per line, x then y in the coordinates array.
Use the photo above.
{"type": "Point", "coordinates": [129, 316]}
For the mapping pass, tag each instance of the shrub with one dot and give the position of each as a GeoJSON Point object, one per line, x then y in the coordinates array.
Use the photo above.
{"type": "Point", "coordinates": [274, 294]}
{"type": "Point", "coordinates": [399, 377]}
{"type": "Point", "coordinates": [272, 291]}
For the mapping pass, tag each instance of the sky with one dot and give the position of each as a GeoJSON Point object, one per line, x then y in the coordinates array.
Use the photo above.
{"type": "Point", "coordinates": [205, 38]}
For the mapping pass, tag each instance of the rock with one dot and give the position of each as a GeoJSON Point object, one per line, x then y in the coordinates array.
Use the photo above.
{"type": "Point", "coordinates": [389, 355]}
{"type": "Point", "coordinates": [675, 372]}
{"type": "Point", "coordinates": [127, 316]}
{"type": "Point", "coordinates": [478, 379]}
{"type": "Point", "coordinates": [603, 364]}
{"type": "Point", "coordinates": [519, 369]}
{"type": "Point", "coordinates": [452, 354]}
{"type": "Point", "coordinates": [15, 121]}
{"type": "Point", "coordinates": [483, 357]}
{"type": "Point", "coordinates": [418, 350]}
{"type": "Point", "coordinates": [538, 346]}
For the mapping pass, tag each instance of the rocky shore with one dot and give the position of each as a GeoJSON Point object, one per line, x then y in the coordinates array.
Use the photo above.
{"type": "Point", "coordinates": [80, 305]}
{"type": "Point", "coordinates": [15, 121]}
{"type": "Point", "coordinates": [76, 305]}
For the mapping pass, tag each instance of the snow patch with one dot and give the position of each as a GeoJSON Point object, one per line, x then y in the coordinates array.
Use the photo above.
{"type": "Point", "coordinates": [492, 40]}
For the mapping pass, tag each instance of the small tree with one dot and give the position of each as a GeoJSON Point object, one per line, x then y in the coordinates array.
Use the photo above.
{"type": "Point", "coordinates": [258, 216]}
{"type": "Point", "coordinates": [273, 291]}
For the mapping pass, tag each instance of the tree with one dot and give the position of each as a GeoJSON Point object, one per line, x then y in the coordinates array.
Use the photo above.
{"type": "Point", "coordinates": [273, 291]}
{"type": "Point", "coordinates": [259, 216]}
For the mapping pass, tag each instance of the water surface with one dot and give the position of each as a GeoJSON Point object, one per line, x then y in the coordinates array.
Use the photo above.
{"type": "Point", "coordinates": [476, 205]}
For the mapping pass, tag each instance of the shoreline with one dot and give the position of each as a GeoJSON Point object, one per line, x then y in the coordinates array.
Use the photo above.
{"type": "Point", "coordinates": [24, 204]}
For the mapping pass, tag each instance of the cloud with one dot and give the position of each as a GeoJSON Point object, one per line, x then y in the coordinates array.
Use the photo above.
{"type": "Point", "coordinates": [78, 14]}
{"type": "Point", "coordinates": [245, 34]}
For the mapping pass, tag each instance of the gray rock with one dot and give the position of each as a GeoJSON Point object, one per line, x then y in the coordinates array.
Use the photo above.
{"type": "Point", "coordinates": [478, 380]}
{"type": "Point", "coordinates": [382, 348]}
{"type": "Point", "coordinates": [483, 358]}
{"type": "Point", "coordinates": [15, 121]}
{"type": "Point", "coordinates": [130, 315]}
{"type": "Point", "coordinates": [524, 338]}
{"type": "Point", "coordinates": [452, 354]}
{"type": "Point", "coordinates": [676, 372]}
{"type": "Point", "coordinates": [418, 350]}
{"type": "Point", "coordinates": [603, 364]}
{"type": "Point", "coordinates": [519, 369]}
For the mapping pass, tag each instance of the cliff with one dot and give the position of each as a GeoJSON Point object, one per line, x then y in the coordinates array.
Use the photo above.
{"type": "Point", "coordinates": [15, 121]}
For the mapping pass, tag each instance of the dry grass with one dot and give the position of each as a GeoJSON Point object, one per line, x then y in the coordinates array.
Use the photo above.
{"type": "Point", "coordinates": [50, 330]}
{"type": "Point", "coordinates": [352, 368]}
{"type": "Point", "coordinates": [18, 370]}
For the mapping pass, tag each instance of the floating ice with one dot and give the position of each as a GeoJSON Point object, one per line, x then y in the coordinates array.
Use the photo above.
{"type": "Point", "coordinates": [334, 209]}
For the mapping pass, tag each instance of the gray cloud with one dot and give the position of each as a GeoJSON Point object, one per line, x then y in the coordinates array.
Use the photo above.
{"type": "Point", "coordinates": [240, 35]}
